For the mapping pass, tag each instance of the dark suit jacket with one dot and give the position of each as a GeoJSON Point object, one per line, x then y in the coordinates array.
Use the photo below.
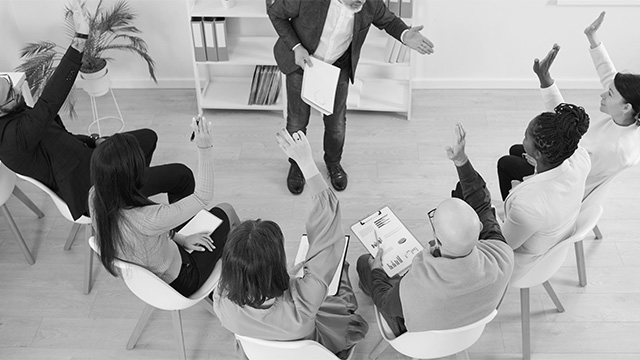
{"type": "Point", "coordinates": [302, 21]}
{"type": "Point", "coordinates": [35, 143]}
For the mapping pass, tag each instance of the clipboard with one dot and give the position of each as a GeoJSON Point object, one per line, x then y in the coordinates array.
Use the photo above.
{"type": "Point", "coordinates": [398, 243]}
{"type": "Point", "coordinates": [334, 286]}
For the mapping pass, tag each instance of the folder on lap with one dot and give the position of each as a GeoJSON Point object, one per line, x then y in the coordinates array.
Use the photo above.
{"type": "Point", "coordinates": [334, 286]}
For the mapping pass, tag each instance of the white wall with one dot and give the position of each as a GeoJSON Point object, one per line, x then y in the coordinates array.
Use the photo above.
{"type": "Point", "coordinates": [479, 43]}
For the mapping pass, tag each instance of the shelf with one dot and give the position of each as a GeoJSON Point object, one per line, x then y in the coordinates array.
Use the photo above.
{"type": "Point", "coordinates": [233, 93]}
{"type": "Point", "coordinates": [248, 50]}
{"type": "Point", "coordinates": [384, 95]}
{"type": "Point", "coordinates": [242, 8]}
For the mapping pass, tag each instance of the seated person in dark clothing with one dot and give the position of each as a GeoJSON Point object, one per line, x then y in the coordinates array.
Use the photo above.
{"type": "Point", "coordinates": [35, 143]}
{"type": "Point", "coordinates": [462, 277]}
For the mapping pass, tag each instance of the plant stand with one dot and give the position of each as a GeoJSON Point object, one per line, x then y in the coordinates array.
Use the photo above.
{"type": "Point", "coordinates": [97, 119]}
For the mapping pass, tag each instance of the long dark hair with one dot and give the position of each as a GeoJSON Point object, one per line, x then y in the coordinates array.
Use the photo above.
{"type": "Point", "coordinates": [557, 134]}
{"type": "Point", "coordinates": [254, 263]}
{"type": "Point", "coordinates": [117, 169]}
{"type": "Point", "coordinates": [628, 85]}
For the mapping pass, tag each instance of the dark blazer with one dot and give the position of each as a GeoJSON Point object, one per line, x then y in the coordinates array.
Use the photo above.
{"type": "Point", "coordinates": [35, 143]}
{"type": "Point", "coordinates": [302, 21]}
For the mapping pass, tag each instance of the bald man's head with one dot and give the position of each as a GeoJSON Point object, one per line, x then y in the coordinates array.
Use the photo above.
{"type": "Point", "coordinates": [457, 227]}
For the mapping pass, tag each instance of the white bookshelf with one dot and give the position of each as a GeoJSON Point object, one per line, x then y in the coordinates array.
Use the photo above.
{"type": "Point", "coordinates": [250, 40]}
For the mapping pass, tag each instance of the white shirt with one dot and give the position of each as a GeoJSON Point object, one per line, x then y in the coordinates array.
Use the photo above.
{"type": "Point", "coordinates": [542, 210]}
{"type": "Point", "coordinates": [612, 147]}
{"type": "Point", "coordinates": [336, 33]}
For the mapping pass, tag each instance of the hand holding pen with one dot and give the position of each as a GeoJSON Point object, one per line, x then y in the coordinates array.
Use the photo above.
{"type": "Point", "coordinates": [376, 262]}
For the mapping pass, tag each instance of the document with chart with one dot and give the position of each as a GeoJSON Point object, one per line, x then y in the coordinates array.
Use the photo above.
{"type": "Point", "coordinates": [383, 228]}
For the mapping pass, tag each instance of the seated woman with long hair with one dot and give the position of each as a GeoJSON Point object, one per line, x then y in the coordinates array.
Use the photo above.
{"type": "Point", "coordinates": [130, 227]}
{"type": "Point", "coordinates": [542, 210]}
{"type": "Point", "coordinates": [257, 298]}
{"type": "Point", "coordinates": [613, 141]}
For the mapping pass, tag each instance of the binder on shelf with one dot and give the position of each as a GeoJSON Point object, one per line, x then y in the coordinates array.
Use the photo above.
{"type": "Point", "coordinates": [395, 51]}
{"type": "Point", "coordinates": [197, 33]}
{"type": "Point", "coordinates": [403, 56]}
{"type": "Point", "coordinates": [394, 7]}
{"type": "Point", "coordinates": [254, 85]}
{"type": "Point", "coordinates": [355, 92]}
{"type": "Point", "coordinates": [221, 38]}
{"type": "Point", "coordinates": [210, 39]}
{"type": "Point", "coordinates": [406, 8]}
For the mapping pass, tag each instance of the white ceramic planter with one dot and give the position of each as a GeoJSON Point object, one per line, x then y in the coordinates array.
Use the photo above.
{"type": "Point", "coordinates": [97, 83]}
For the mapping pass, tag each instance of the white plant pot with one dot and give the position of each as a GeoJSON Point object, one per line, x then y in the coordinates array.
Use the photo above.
{"type": "Point", "coordinates": [97, 83]}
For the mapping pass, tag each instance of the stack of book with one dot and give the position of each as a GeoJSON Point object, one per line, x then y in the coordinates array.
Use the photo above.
{"type": "Point", "coordinates": [402, 8]}
{"type": "Point", "coordinates": [265, 86]}
{"type": "Point", "coordinates": [395, 51]}
{"type": "Point", "coordinates": [209, 38]}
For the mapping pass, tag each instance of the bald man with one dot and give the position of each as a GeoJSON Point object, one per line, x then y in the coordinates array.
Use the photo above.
{"type": "Point", "coordinates": [461, 277]}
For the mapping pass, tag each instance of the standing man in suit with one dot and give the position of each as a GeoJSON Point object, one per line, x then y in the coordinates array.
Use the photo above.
{"type": "Point", "coordinates": [34, 141]}
{"type": "Point", "coordinates": [332, 31]}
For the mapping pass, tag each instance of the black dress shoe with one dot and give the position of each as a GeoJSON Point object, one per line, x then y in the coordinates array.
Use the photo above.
{"type": "Point", "coordinates": [295, 179]}
{"type": "Point", "coordinates": [338, 177]}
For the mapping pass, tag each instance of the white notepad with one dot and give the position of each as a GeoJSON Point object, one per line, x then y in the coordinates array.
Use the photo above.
{"type": "Point", "coordinates": [334, 286]}
{"type": "Point", "coordinates": [204, 221]}
{"type": "Point", "coordinates": [319, 84]}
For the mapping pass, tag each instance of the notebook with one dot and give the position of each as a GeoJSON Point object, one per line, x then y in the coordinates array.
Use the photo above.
{"type": "Point", "coordinates": [334, 286]}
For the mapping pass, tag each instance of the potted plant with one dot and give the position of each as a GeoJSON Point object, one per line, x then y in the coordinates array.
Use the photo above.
{"type": "Point", "coordinates": [110, 29]}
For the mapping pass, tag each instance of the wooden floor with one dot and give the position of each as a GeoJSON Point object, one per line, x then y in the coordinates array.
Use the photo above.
{"type": "Point", "coordinates": [392, 161]}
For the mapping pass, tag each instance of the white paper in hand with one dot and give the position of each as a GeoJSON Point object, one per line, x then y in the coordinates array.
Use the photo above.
{"type": "Point", "coordinates": [301, 255]}
{"type": "Point", "coordinates": [319, 84]}
{"type": "Point", "coordinates": [204, 221]}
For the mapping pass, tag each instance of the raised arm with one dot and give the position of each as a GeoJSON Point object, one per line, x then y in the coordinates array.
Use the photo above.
{"type": "Point", "coordinates": [603, 64]}
{"type": "Point", "coordinates": [549, 91]}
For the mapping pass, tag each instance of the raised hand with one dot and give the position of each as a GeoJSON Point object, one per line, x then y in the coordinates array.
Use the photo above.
{"type": "Point", "coordinates": [592, 30]}
{"type": "Point", "coordinates": [417, 42]}
{"type": "Point", "coordinates": [202, 132]}
{"type": "Point", "coordinates": [541, 67]}
{"type": "Point", "coordinates": [297, 147]}
{"type": "Point", "coordinates": [456, 152]}
{"type": "Point", "coordinates": [80, 17]}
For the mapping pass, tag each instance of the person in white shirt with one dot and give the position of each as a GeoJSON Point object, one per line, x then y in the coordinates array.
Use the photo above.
{"type": "Point", "coordinates": [332, 31]}
{"type": "Point", "coordinates": [613, 141]}
{"type": "Point", "coordinates": [542, 210]}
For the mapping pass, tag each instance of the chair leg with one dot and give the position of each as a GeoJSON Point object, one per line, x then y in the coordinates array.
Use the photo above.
{"type": "Point", "coordinates": [526, 325]}
{"type": "Point", "coordinates": [88, 262]}
{"type": "Point", "coordinates": [142, 322]}
{"type": "Point", "coordinates": [72, 236]}
{"type": "Point", "coordinates": [378, 349]}
{"type": "Point", "coordinates": [597, 232]}
{"type": "Point", "coordinates": [16, 233]}
{"type": "Point", "coordinates": [580, 262]}
{"type": "Point", "coordinates": [177, 327]}
{"type": "Point", "coordinates": [554, 297]}
{"type": "Point", "coordinates": [25, 200]}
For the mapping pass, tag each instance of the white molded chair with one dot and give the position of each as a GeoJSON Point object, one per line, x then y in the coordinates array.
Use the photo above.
{"type": "Point", "coordinates": [8, 187]}
{"type": "Point", "coordinates": [158, 294]}
{"type": "Point", "coordinates": [258, 349]}
{"type": "Point", "coordinates": [82, 221]}
{"type": "Point", "coordinates": [547, 267]}
{"type": "Point", "coordinates": [431, 344]}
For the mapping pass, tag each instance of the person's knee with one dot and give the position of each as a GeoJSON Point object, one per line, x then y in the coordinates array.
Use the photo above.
{"type": "Point", "coordinates": [503, 163]}
{"type": "Point", "coordinates": [363, 264]}
{"type": "Point", "coordinates": [231, 214]}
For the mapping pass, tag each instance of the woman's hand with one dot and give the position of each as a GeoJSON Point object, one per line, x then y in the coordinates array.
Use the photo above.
{"type": "Point", "coordinates": [541, 67]}
{"type": "Point", "coordinates": [80, 17]}
{"type": "Point", "coordinates": [198, 242]}
{"type": "Point", "coordinates": [417, 42]}
{"type": "Point", "coordinates": [456, 152]}
{"type": "Point", "coordinates": [202, 131]}
{"type": "Point", "coordinates": [591, 30]}
{"type": "Point", "coordinates": [297, 147]}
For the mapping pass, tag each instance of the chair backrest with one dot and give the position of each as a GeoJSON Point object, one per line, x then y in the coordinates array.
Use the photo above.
{"type": "Point", "coordinates": [57, 200]}
{"type": "Point", "coordinates": [554, 258]}
{"type": "Point", "coordinates": [597, 195]}
{"type": "Point", "coordinates": [155, 291]}
{"type": "Point", "coordinates": [257, 349]}
{"type": "Point", "coordinates": [434, 344]}
{"type": "Point", "coordinates": [7, 183]}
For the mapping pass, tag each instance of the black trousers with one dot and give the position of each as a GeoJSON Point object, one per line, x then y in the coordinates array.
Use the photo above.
{"type": "Point", "coordinates": [198, 265]}
{"type": "Point", "coordinates": [512, 167]}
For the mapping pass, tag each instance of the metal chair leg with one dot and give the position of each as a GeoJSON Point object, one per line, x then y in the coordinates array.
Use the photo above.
{"type": "Point", "coordinates": [580, 262]}
{"type": "Point", "coordinates": [177, 327]}
{"type": "Point", "coordinates": [23, 245]}
{"type": "Point", "coordinates": [378, 349]}
{"type": "Point", "coordinates": [88, 262]}
{"type": "Point", "coordinates": [526, 324]}
{"type": "Point", "coordinates": [142, 322]}
{"type": "Point", "coordinates": [72, 236]}
{"type": "Point", "coordinates": [554, 297]}
{"type": "Point", "coordinates": [597, 232]}
{"type": "Point", "coordinates": [25, 200]}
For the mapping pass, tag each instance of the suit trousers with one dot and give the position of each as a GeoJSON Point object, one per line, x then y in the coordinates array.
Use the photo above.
{"type": "Point", "coordinates": [298, 111]}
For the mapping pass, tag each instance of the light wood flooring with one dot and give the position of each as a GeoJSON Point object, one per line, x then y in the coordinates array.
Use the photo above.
{"type": "Point", "coordinates": [392, 161]}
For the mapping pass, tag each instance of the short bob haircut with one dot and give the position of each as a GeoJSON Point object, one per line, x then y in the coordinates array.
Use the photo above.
{"type": "Point", "coordinates": [254, 264]}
